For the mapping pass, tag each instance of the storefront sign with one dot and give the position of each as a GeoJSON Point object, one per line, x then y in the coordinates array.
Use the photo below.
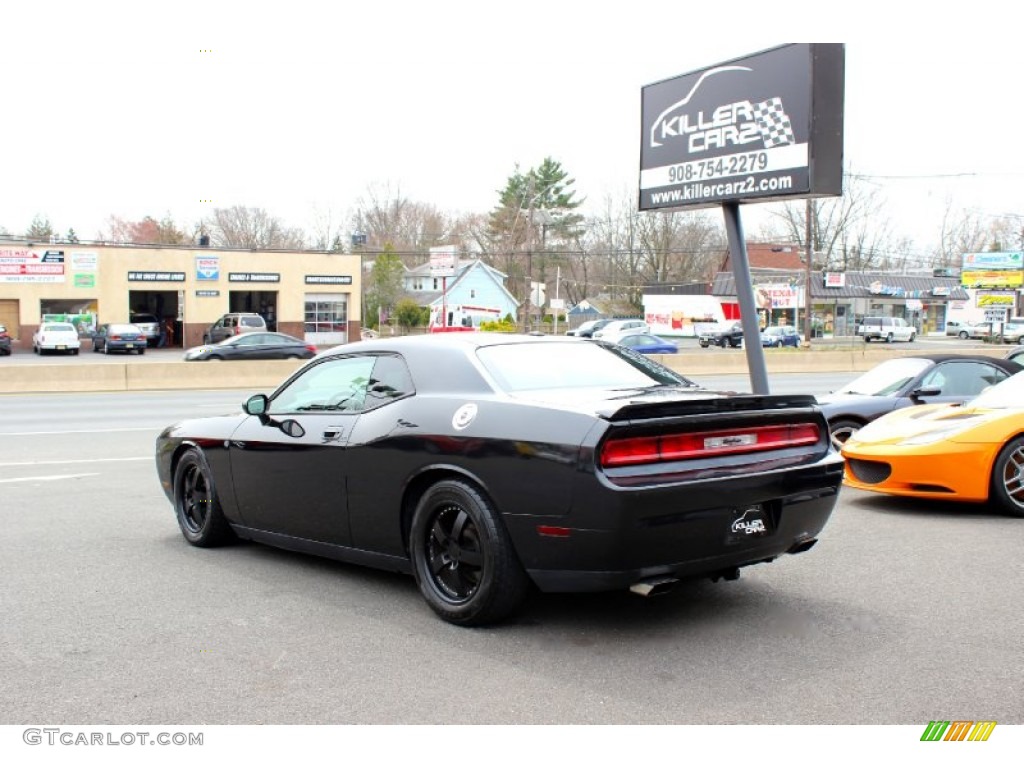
{"type": "Point", "coordinates": [992, 279]}
{"type": "Point", "coordinates": [84, 280]}
{"type": "Point", "coordinates": [20, 265]}
{"type": "Point", "coordinates": [254, 277]}
{"type": "Point", "coordinates": [1003, 299]}
{"type": "Point", "coordinates": [207, 294]}
{"type": "Point", "coordinates": [835, 279]}
{"type": "Point", "coordinates": [328, 280]}
{"type": "Point", "coordinates": [993, 260]}
{"type": "Point", "coordinates": [156, 277]}
{"type": "Point", "coordinates": [207, 268]}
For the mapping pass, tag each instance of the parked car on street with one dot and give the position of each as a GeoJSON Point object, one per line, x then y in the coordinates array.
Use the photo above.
{"type": "Point", "coordinates": [887, 329]}
{"type": "Point", "coordinates": [971, 453]}
{"type": "Point", "coordinates": [967, 330]}
{"type": "Point", "coordinates": [5, 341]}
{"type": "Point", "coordinates": [587, 329]}
{"type": "Point", "coordinates": [780, 336]}
{"type": "Point", "coordinates": [148, 324]}
{"type": "Point", "coordinates": [119, 337]}
{"type": "Point", "coordinates": [646, 343]}
{"type": "Point", "coordinates": [254, 346]}
{"type": "Point", "coordinates": [234, 324]}
{"type": "Point", "coordinates": [721, 336]}
{"type": "Point", "coordinates": [56, 337]}
{"type": "Point", "coordinates": [618, 326]}
{"type": "Point", "coordinates": [1013, 330]}
{"type": "Point", "coordinates": [489, 464]}
{"type": "Point", "coordinates": [906, 381]}
{"type": "Point", "coordinates": [1016, 355]}
{"type": "Point", "coordinates": [584, 329]}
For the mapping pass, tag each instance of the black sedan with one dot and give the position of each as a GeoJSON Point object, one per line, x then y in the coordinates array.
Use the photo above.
{"type": "Point", "coordinates": [731, 335]}
{"type": "Point", "coordinates": [485, 464]}
{"type": "Point", "coordinates": [905, 381]}
{"type": "Point", "coordinates": [254, 346]}
{"type": "Point", "coordinates": [119, 337]}
{"type": "Point", "coordinates": [5, 341]}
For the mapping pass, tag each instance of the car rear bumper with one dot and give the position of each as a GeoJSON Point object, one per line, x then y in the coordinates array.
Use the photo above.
{"type": "Point", "coordinates": [681, 532]}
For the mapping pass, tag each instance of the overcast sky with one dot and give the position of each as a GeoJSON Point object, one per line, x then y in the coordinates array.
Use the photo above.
{"type": "Point", "coordinates": [118, 108]}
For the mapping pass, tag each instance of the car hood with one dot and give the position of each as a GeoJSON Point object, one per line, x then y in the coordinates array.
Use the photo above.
{"type": "Point", "coordinates": [954, 422]}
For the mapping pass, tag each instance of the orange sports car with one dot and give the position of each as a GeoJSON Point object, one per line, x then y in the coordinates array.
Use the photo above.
{"type": "Point", "coordinates": [971, 452]}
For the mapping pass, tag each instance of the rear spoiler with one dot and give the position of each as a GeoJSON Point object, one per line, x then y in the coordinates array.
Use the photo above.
{"type": "Point", "coordinates": [716, 403]}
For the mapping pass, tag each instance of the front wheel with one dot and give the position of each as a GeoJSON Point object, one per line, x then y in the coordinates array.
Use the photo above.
{"type": "Point", "coordinates": [964, 335]}
{"type": "Point", "coordinates": [1008, 478]}
{"type": "Point", "coordinates": [463, 559]}
{"type": "Point", "coordinates": [841, 431]}
{"type": "Point", "coordinates": [196, 505]}
{"type": "Point", "coordinates": [888, 338]}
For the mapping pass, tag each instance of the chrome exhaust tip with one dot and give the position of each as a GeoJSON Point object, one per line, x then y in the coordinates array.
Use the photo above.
{"type": "Point", "coordinates": [653, 587]}
{"type": "Point", "coordinates": [801, 546]}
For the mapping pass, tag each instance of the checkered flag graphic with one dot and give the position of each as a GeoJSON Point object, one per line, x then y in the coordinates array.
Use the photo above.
{"type": "Point", "coordinates": [773, 123]}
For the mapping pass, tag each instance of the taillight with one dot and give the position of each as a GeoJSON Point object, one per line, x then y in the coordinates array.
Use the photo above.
{"type": "Point", "coordinates": [311, 348]}
{"type": "Point", "coordinates": [236, 331]}
{"type": "Point", "coordinates": [701, 445]}
{"type": "Point", "coordinates": [115, 338]}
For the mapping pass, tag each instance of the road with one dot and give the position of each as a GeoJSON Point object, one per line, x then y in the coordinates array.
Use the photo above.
{"type": "Point", "coordinates": [902, 614]}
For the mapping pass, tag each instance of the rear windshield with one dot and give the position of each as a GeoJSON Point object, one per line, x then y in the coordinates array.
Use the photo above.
{"type": "Point", "coordinates": [524, 367]}
{"type": "Point", "coordinates": [252, 322]}
{"type": "Point", "coordinates": [59, 327]}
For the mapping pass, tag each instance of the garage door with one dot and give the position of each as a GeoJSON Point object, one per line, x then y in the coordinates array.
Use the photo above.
{"type": "Point", "coordinates": [9, 317]}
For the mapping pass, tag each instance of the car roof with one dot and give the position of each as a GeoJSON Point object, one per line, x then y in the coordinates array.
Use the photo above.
{"type": "Point", "coordinates": [943, 357]}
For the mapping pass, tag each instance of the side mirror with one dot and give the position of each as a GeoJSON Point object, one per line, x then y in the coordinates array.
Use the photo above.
{"type": "Point", "coordinates": [257, 405]}
{"type": "Point", "coordinates": [925, 392]}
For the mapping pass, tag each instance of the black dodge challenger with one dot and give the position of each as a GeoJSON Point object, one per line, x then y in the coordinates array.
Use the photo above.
{"type": "Point", "coordinates": [485, 464]}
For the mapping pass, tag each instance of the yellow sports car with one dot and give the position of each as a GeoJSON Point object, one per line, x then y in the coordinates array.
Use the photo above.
{"type": "Point", "coordinates": [971, 452]}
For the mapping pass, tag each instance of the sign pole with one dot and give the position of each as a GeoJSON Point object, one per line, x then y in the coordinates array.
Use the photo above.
{"type": "Point", "coordinates": [745, 294]}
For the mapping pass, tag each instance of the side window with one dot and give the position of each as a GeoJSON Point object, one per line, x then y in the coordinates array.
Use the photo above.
{"type": "Point", "coordinates": [389, 382]}
{"type": "Point", "coordinates": [339, 384]}
{"type": "Point", "coordinates": [964, 379]}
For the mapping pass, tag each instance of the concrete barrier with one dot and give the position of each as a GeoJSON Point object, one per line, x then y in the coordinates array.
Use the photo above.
{"type": "Point", "coordinates": [80, 376]}
{"type": "Point", "coordinates": [76, 375]}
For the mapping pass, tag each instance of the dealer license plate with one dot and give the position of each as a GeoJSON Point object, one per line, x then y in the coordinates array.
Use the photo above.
{"type": "Point", "coordinates": [750, 522]}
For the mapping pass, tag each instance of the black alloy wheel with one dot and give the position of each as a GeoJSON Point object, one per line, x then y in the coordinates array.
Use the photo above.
{"type": "Point", "coordinates": [196, 505]}
{"type": "Point", "coordinates": [463, 558]}
{"type": "Point", "coordinates": [1008, 477]}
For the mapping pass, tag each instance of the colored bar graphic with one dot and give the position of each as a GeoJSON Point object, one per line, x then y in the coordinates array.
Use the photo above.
{"type": "Point", "coordinates": [958, 730]}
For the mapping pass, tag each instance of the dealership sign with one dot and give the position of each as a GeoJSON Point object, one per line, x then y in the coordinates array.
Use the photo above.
{"type": "Point", "coordinates": [992, 278]}
{"type": "Point", "coordinates": [765, 127]}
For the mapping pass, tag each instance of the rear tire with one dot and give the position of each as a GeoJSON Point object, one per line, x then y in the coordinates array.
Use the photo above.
{"type": "Point", "coordinates": [1008, 478]}
{"type": "Point", "coordinates": [462, 556]}
{"type": "Point", "coordinates": [888, 338]}
{"type": "Point", "coordinates": [196, 504]}
{"type": "Point", "coordinates": [964, 335]}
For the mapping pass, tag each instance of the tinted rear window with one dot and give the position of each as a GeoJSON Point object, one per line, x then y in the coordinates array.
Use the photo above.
{"type": "Point", "coordinates": [252, 322]}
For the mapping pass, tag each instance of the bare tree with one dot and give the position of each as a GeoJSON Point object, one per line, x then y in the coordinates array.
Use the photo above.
{"type": "Point", "coordinates": [850, 232]}
{"type": "Point", "coordinates": [385, 215]}
{"type": "Point", "coordinates": [241, 227]}
{"type": "Point", "coordinates": [966, 232]}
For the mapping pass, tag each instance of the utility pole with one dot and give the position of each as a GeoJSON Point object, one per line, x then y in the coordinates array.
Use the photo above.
{"type": "Point", "coordinates": [529, 257]}
{"type": "Point", "coordinates": [807, 279]}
